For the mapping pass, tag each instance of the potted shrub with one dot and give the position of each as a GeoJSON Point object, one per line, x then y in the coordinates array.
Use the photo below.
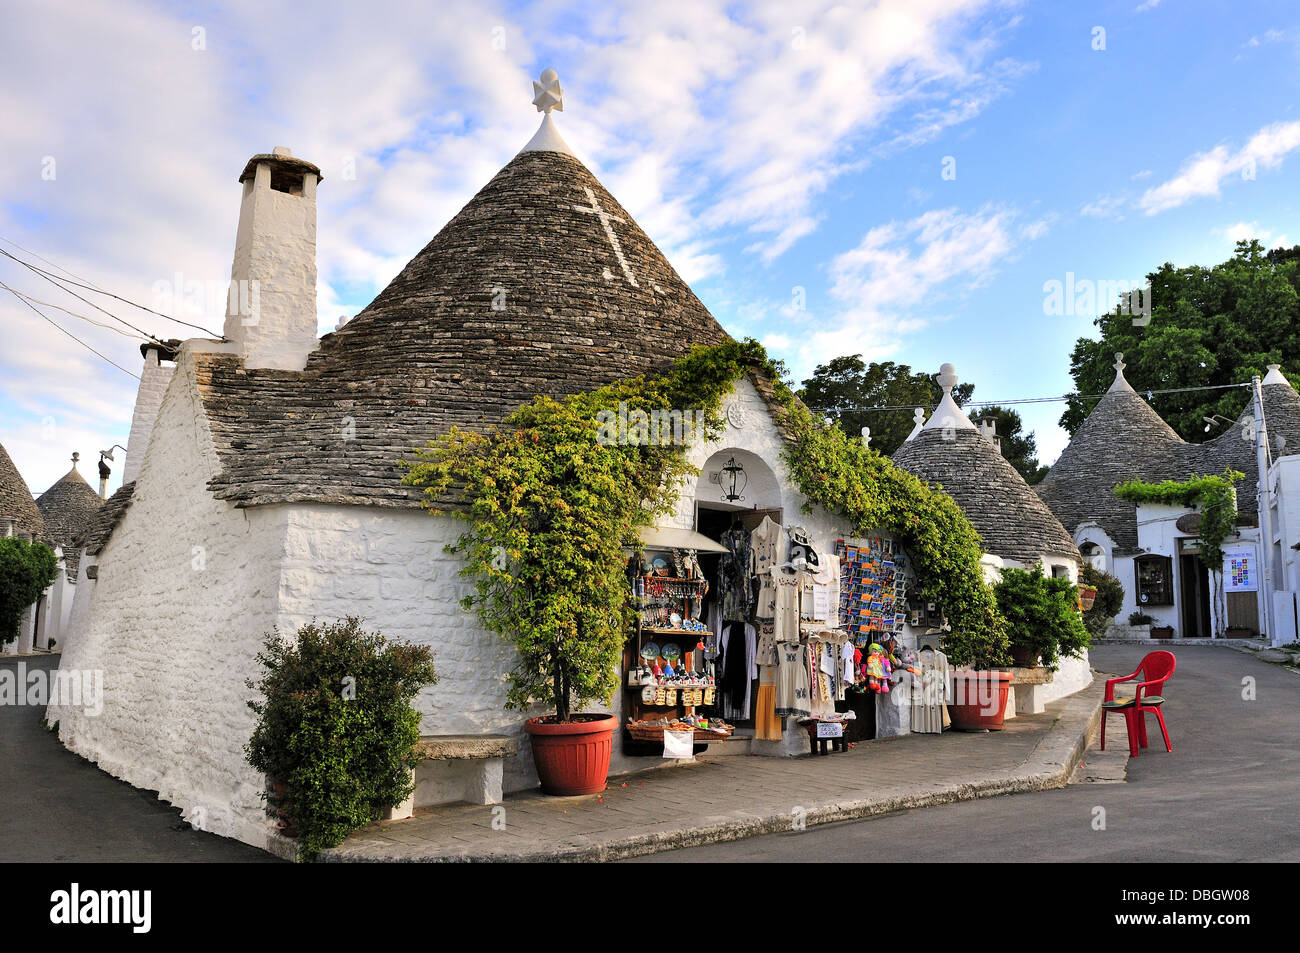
{"type": "Point", "coordinates": [978, 655]}
{"type": "Point", "coordinates": [335, 731]}
{"type": "Point", "coordinates": [1162, 631]}
{"type": "Point", "coordinates": [1043, 621]}
{"type": "Point", "coordinates": [1106, 604]}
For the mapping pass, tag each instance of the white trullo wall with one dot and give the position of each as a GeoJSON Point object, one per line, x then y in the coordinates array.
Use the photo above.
{"type": "Point", "coordinates": [186, 586]}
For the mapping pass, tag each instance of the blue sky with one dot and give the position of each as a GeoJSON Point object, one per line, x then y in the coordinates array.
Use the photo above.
{"type": "Point", "coordinates": [766, 147]}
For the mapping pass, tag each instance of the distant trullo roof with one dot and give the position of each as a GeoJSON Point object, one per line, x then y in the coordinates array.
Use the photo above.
{"type": "Point", "coordinates": [1124, 438]}
{"type": "Point", "coordinates": [1121, 439]}
{"type": "Point", "coordinates": [1012, 521]}
{"type": "Point", "coordinates": [542, 284]}
{"type": "Point", "coordinates": [16, 501]}
{"type": "Point", "coordinates": [68, 508]}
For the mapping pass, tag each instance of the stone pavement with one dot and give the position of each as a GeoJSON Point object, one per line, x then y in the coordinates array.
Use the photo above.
{"type": "Point", "coordinates": [728, 798]}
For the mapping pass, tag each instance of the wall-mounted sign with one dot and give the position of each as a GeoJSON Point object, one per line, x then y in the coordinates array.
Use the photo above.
{"type": "Point", "coordinates": [1189, 523]}
{"type": "Point", "coordinates": [1240, 574]}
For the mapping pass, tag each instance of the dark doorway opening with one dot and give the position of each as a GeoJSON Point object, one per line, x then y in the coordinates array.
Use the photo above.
{"type": "Point", "coordinates": [1194, 593]}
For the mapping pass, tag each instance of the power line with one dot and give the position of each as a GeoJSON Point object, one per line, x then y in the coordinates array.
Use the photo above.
{"type": "Point", "coordinates": [98, 324]}
{"type": "Point", "coordinates": [84, 283]}
{"type": "Point", "coordinates": [56, 282]}
{"type": "Point", "coordinates": [46, 317]}
{"type": "Point", "coordinates": [1035, 400]}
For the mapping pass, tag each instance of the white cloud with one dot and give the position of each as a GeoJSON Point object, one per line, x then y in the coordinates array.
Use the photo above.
{"type": "Point", "coordinates": [1245, 231]}
{"type": "Point", "coordinates": [1205, 173]}
{"type": "Point", "coordinates": [902, 277]}
{"type": "Point", "coordinates": [1146, 5]}
{"type": "Point", "coordinates": [709, 120]}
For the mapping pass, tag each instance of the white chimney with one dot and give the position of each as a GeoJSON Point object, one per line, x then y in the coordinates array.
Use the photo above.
{"type": "Point", "coordinates": [154, 378]}
{"type": "Point", "coordinates": [271, 311]}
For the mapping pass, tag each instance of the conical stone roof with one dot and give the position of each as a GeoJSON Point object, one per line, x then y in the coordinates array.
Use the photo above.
{"type": "Point", "coordinates": [1235, 447]}
{"type": "Point", "coordinates": [16, 502]}
{"type": "Point", "coordinates": [68, 508]}
{"type": "Point", "coordinates": [1121, 439]}
{"type": "Point", "coordinates": [542, 284]}
{"type": "Point", "coordinates": [1012, 521]}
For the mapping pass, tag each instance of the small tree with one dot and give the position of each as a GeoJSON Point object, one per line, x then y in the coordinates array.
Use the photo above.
{"type": "Point", "coordinates": [1042, 614]}
{"type": "Point", "coordinates": [552, 506]}
{"type": "Point", "coordinates": [1110, 599]}
{"type": "Point", "coordinates": [336, 731]}
{"type": "Point", "coordinates": [26, 571]}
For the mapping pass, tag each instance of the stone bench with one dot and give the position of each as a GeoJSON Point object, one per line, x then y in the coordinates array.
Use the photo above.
{"type": "Point", "coordinates": [1027, 690]}
{"type": "Point", "coordinates": [457, 768]}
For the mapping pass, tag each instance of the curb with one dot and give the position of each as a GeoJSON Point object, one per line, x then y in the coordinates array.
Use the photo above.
{"type": "Point", "coordinates": [1050, 765]}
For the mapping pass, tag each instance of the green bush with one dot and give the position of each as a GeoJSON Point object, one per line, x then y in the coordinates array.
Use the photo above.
{"type": "Point", "coordinates": [1042, 614]}
{"type": "Point", "coordinates": [1110, 599]}
{"type": "Point", "coordinates": [26, 570]}
{"type": "Point", "coordinates": [336, 728]}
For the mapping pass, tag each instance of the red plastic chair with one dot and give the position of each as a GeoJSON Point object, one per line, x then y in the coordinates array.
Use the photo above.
{"type": "Point", "coordinates": [1157, 668]}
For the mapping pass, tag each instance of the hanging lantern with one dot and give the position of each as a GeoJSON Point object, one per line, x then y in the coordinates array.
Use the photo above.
{"type": "Point", "coordinates": [734, 481]}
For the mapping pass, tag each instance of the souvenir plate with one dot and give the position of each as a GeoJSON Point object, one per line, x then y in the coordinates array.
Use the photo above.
{"type": "Point", "coordinates": [660, 566]}
{"type": "Point", "coordinates": [671, 651]}
{"type": "Point", "coordinates": [650, 651]}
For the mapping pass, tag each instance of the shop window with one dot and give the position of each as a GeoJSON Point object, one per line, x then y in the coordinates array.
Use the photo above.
{"type": "Point", "coordinates": [1155, 580]}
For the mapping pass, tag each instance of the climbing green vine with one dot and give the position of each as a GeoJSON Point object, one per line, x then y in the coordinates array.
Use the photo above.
{"type": "Point", "coordinates": [1214, 496]}
{"type": "Point", "coordinates": [552, 504]}
{"type": "Point", "coordinates": [1216, 499]}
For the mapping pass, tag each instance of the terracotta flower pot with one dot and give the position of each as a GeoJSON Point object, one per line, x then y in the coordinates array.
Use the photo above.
{"type": "Point", "coordinates": [285, 823]}
{"type": "Point", "coordinates": [980, 699]}
{"type": "Point", "coordinates": [1087, 596]}
{"type": "Point", "coordinates": [1023, 656]}
{"type": "Point", "coordinates": [572, 758]}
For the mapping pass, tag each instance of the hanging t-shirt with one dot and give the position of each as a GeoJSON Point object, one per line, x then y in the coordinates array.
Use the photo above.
{"type": "Point", "coordinates": [764, 555]}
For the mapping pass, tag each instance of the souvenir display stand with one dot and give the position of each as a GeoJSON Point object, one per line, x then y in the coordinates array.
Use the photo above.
{"type": "Point", "coordinates": [667, 676]}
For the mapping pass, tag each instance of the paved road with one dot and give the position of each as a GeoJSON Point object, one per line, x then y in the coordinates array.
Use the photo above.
{"type": "Point", "coordinates": [56, 806]}
{"type": "Point", "coordinates": [1228, 792]}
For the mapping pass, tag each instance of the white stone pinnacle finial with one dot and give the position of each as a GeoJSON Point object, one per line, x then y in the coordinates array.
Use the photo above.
{"type": "Point", "coordinates": [947, 377]}
{"type": "Point", "coordinates": [866, 436]}
{"type": "Point", "coordinates": [547, 94]}
{"type": "Point", "coordinates": [1275, 376]}
{"type": "Point", "coordinates": [75, 457]}
{"type": "Point", "coordinates": [1120, 383]}
{"type": "Point", "coordinates": [948, 416]}
{"type": "Point", "coordinates": [283, 152]}
{"type": "Point", "coordinates": [918, 417]}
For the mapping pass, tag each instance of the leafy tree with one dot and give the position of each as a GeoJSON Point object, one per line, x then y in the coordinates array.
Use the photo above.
{"type": "Point", "coordinates": [1209, 326]}
{"type": "Point", "coordinates": [26, 570]}
{"type": "Point", "coordinates": [1020, 448]}
{"type": "Point", "coordinates": [840, 389]}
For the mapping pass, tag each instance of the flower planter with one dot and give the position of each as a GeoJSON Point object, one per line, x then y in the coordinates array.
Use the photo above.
{"type": "Point", "coordinates": [1023, 656]}
{"type": "Point", "coordinates": [979, 700]}
{"type": "Point", "coordinates": [1162, 632]}
{"type": "Point", "coordinates": [1087, 596]}
{"type": "Point", "coordinates": [284, 822]}
{"type": "Point", "coordinates": [573, 757]}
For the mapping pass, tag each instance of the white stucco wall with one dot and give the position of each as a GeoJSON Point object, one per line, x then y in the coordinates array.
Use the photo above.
{"type": "Point", "coordinates": [187, 585]}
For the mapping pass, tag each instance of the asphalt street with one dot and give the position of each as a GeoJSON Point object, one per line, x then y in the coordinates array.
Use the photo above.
{"type": "Point", "coordinates": [1228, 792]}
{"type": "Point", "coordinates": [61, 807]}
